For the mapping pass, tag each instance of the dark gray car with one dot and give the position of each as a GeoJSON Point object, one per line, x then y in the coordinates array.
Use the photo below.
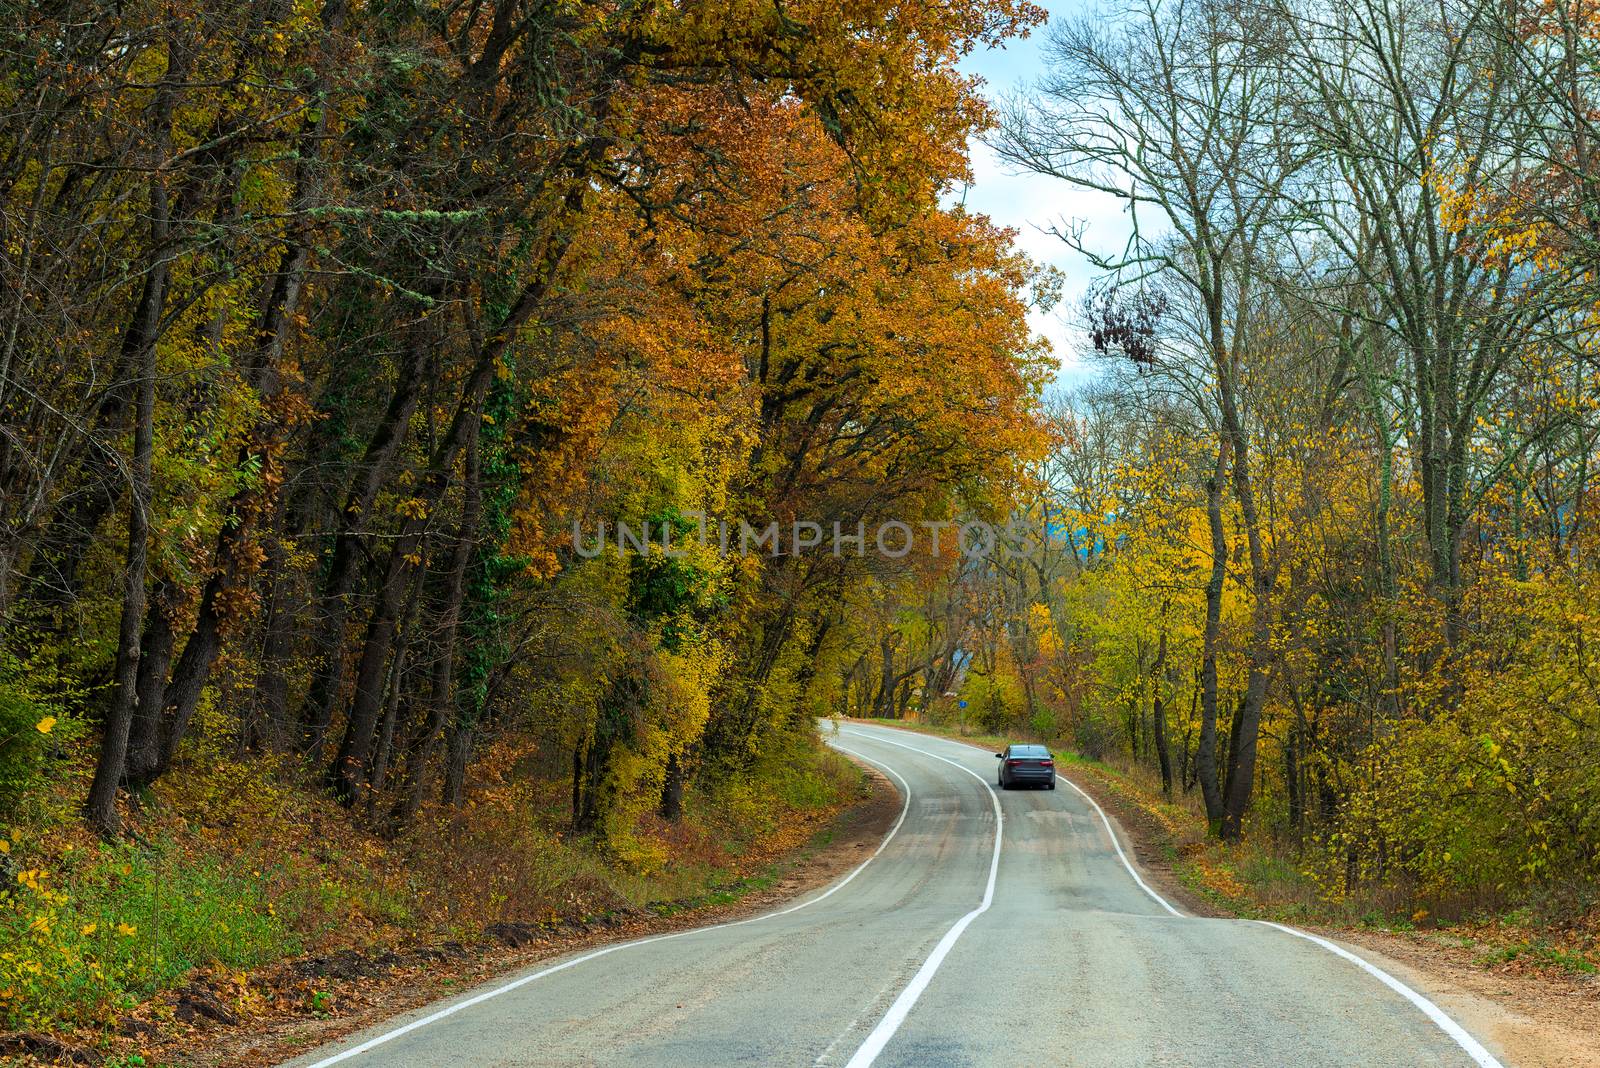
{"type": "Point", "coordinates": [1027, 765]}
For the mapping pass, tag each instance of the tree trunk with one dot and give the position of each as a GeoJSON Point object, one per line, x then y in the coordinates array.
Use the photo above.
{"type": "Point", "coordinates": [1291, 778]}
{"type": "Point", "coordinates": [395, 697]}
{"type": "Point", "coordinates": [1247, 721]}
{"type": "Point", "coordinates": [458, 754]}
{"type": "Point", "coordinates": [672, 790]}
{"type": "Point", "coordinates": [1230, 768]}
{"type": "Point", "coordinates": [109, 772]}
{"type": "Point", "coordinates": [1158, 718]}
{"type": "Point", "coordinates": [577, 779]}
{"type": "Point", "coordinates": [1242, 744]}
{"type": "Point", "coordinates": [808, 672]}
{"type": "Point", "coordinates": [442, 696]}
{"type": "Point", "coordinates": [140, 347]}
{"type": "Point", "coordinates": [272, 680]}
{"type": "Point", "coordinates": [328, 681]}
{"type": "Point", "coordinates": [172, 705]}
{"type": "Point", "coordinates": [155, 657]}
{"type": "Point", "coordinates": [884, 705]}
{"type": "Point", "coordinates": [1205, 757]}
{"type": "Point", "coordinates": [588, 772]}
{"type": "Point", "coordinates": [350, 774]}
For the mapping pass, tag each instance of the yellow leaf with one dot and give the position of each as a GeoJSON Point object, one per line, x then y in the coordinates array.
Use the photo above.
{"type": "Point", "coordinates": [126, 929]}
{"type": "Point", "coordinates": [44, 726]}
{"type": "Point", "coordinates": [87, 929]}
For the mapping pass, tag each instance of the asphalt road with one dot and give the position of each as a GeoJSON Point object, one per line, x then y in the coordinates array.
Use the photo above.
{"type": "Point", "coordinates": [952, 945]}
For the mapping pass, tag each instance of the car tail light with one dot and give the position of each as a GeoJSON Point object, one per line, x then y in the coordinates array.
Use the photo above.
{"type": "Point", "coordinates": [1047, 763]}
{"type": "Point", "coordinates": [1012, 763]}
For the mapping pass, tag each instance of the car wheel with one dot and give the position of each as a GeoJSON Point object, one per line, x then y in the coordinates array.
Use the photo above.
{"type": "Point", "coordinates": [1051, 785]}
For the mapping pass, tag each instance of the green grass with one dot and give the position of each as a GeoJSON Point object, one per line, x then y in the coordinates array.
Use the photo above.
{"type": "Point", "coordinates": [1541, 953]}
{"type": "Point", "coordinates": [725, 894]}
{"type": "Point", "coordinates": [117, 923]}
{"type": "Point", "coordinates": [729, 892]}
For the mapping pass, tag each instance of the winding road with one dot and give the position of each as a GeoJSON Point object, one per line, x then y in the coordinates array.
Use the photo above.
{"type": "Point", "coordinates": [989, 928]}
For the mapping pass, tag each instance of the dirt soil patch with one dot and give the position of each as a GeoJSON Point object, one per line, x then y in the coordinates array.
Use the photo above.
{"type": "Point", "coordinates": [1537, 1019]}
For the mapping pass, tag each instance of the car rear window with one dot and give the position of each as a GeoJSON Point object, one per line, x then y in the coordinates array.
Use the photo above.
{"type": "Point", "coordinates": [1029, 751]}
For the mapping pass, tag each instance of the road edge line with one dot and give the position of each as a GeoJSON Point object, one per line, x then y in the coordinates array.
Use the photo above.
{"type": "Point", "coordinates": [1463, 1038]}
{"type": "Point", "coordinates": [505, 988]}
{"type": "Point", "coordinates": [1441, 1019]}
{"type": "Point", "coordinates": [1111, 833]}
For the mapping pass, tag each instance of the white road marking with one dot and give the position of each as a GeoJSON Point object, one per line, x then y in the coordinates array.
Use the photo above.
{"type": "Point", "coordinates": [451, 1010]}
{"type": "Point", "coordinates": [898, 1011]}
{"type": "Point", "coordinates": [822, 1058]}
{"type": "Point", "coordinates": [1473, 1048]}
{"type": "Point", "coordinates": [1112, 834]}
{"type": "Point", "coordinates": [869, 1050]}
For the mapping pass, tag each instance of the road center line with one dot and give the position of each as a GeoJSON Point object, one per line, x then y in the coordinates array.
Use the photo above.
{"type": "Point", "coordinates": [822, 1058]}
{"type": "Point", "coordinates": [1110, 832]}
{"type": "Point", "coordinates": [451, 1010]}
{"type": "Point", "coordinates": [869, 1050]}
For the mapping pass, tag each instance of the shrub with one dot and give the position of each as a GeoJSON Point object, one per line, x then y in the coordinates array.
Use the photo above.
{"type": "Point", "coordinates": [992, 700]}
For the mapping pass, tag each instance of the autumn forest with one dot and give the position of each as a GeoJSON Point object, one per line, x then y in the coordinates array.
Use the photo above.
{"type": "Point", "coordinates": [331, 330]}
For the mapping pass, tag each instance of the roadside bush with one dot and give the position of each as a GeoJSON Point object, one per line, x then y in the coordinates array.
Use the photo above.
{"type": "Point", "coordinates": [1478, 800]}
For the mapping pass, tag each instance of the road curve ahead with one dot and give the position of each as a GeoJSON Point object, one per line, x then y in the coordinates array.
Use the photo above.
{"type": "Point", "coordinates": [990, 928]}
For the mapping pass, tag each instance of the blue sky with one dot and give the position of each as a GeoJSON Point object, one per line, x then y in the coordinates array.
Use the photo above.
{"type": "Point", "coordinates": [1032, 203]}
